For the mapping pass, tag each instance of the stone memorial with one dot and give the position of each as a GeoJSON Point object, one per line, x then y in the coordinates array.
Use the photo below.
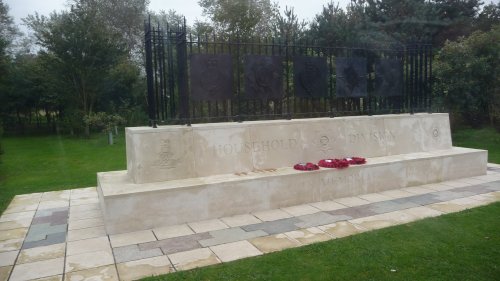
{"type": "Point", "coordinates": [179, 174]}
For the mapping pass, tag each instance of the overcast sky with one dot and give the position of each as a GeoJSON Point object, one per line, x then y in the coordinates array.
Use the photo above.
{"type": "Point", "coordinates": [305, 9]}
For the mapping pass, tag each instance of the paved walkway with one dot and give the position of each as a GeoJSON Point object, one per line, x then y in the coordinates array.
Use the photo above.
{"type": "Point", "coordinates": [60, 235]}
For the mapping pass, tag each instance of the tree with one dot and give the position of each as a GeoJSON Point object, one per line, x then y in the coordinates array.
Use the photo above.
{"type": "Point", "coordinates": [467, 76]}
{"type": "Point", "coordinates": [81, 49]}
{"type": "Point", "coordinates": [288, 26]}
{"type": "Point", "coordinates": [247, 18]}
{"type": "Point", "coordinates": [488, 17]}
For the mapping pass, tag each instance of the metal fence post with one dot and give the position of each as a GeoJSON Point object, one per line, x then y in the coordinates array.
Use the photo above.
{"type": "Point", "coordinates": [149, 73]}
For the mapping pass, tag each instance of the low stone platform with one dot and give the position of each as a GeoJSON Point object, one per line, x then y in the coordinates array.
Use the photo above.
{"type": "Point", "coordinates": [60, 235]}
{"type": "Point", "coordinates": [180, 174]}
{"type": "Point", "coordinates": [129, 207]}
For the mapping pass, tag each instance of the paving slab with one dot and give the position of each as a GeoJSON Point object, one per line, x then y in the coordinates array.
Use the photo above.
{"type": "Point", "coordinates": [10, 245]}
{"type": "Point", "coordinates": [39, 232]}
{"type": "Point", "coordinates": [354, 212]}
{"type": "Point", "coordinates": [301, 210]}
{"type": "Point", "coordinates": [272, 215]}
{"type": "Point", "coordinates": [172, 231]}
{"type": "Point", "coordinates": [352, 201]}
{"type": "Point", "coordinates": [21, 223]}
{"type": "Point", "coordinates": [8, 258]}
{"type": "Point", "coordinates": [17, 216]}
{"type": "Point", "coordinates": [42, 253]}
{"type": "Point", "coordinates": [476, 189]}
{"type": "Point", "coordinates": [37, 269]}
{"type": "Point", "coordinates": [88, 260]}
{"type": "Point", "coordinates": [13, 233]}
{"type": "Point", "coordinates": [320, 218]}
{"type": "Point", "coordinates": [437, 187]}
{"type": "Point", "coordinates": [375, 197]}
{"type": "Point", "coordinates": [207, 225]}
{"type": "Point", "coordinates": [396, 193]}
{"type": "Point", "coordinates": [5, 272]}
{"type": "Point", "coordinates": [342, 229]}
{"type": "Point", "coordinates": [422, 212]}
{"type": "Point", "coordinates": [132, 252]}
{"type": "Point", "coordinates": [273, 243]}
{"type": "Point", "coordinates": [236, 250]}
{"type": "Point", "coordinates": [85, 207]}
{"type": "Point", "coordinates": [274, 227]}
{"type": "Point", "coordinates": [234, 234]}
{"type": "Point", "coordinates": [328, 205]}
{"type": "Point", "coordinates": [55, 195]}
{"type": "Point", "coordinates": [384, 220]}
{"type": "Point", "coordinates": [85, 223]}
{"type": "Point", "coordinates": [240, 220]}
{"type": "Point", "coordinates": [308, 236]}
{"type": "Point", "coordinates": [193, 259]}
{"type": "Point", "coordinates": [131, 238]}
{"type": "Point", "coordinates": [50, 239]}
{"type": "Point", "coordinates": [86, 233]}
{"type": "Point", "coordinates": [423, 199]}
{"type": "Point", "coordinates": [138, 269]}
{"type": "Point", "coordinates": [53, 204]}
{"type": "Point", "coordinates": [50, 278]}
{"type": "Point", "coordinates": [88, 245]}
{"type": "Point", "coordinates": [176, 244]}
{"type": "Point", "coordinates": [81, 215]}
{"type": "Point", "coordinates": [50, 212]}
{"type": "Point", "coordinates": [102, 273]}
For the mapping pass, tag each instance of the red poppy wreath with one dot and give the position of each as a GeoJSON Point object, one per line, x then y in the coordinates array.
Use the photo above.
{"type": "Point", "coordinates": [306, 166]}
{"type": "Point", "coordinates": [334, 163]}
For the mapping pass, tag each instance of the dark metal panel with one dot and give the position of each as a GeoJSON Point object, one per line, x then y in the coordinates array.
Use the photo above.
{"type": "Point", "coordinates": [263, 77]}
{"type": "Point", "coordinates": [351, 77]}
{"type": "Point", "coordinates": [211, 77]}
{"type": "Point", "coordinates": [389, 77]}
{"type": "Point", "coordinates": [310, 76]}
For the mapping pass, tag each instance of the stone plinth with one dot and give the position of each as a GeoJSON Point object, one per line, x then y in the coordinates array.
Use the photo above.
{"type": "Point", "coordinates": [179, 174]}
{"type": "Point", "coordinates": [181, 152]}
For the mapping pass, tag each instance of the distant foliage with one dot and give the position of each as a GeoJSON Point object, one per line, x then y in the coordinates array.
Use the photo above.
{"type": "Point", "coordinates": [467, 73]}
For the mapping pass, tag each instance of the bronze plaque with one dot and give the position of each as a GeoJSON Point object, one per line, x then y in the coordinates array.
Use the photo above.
{"type": "Point", "coordinates": [263, 77]}
{"type": "Point", "coordinates": [211, 77]}
{"type": "Point", "coordinates": [389, 77]}
{"type": "Point", "coordinates": [351, 77]}
{"type": "Point", "coordinates": [310, 76]}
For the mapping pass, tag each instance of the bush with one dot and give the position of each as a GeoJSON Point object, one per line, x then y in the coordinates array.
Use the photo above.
{"type": "Point", "coordinates": [467, 75]}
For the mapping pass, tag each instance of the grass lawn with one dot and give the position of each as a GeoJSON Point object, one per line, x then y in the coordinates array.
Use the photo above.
{"type": "Point", "coordinates": [460, 246]}
{"type": "Point", "coordinates": [46, 163]}
{"type": "Point", "coordinates": [485, 138]}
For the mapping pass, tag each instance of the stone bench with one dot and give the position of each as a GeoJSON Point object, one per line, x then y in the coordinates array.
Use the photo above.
{"type": "Point", "coordinates": [179, 174]}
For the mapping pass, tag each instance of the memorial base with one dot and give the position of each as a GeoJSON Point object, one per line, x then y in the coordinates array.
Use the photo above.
{"type": "Point", "coordinates": [128, 206]}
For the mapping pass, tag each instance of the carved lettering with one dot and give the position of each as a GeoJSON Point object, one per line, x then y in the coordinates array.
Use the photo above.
{"type": "Point", "coordinates": [256, 146]}
{"type": "Point", "coordinates": [166, 159]}
{"type": "Point", "coordinates": [371, 136]}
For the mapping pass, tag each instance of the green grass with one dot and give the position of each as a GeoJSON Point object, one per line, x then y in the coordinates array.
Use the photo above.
{"type": "Point", "coordinates": [485, 138]}
{"type": "Point", "coordinates": [46, 163]}
{"type": "Point", "coordinates": [460, 246]}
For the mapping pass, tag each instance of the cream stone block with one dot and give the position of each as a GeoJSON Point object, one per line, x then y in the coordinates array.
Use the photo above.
{"type": "Point", "coordinates": [134, 270]}
{"type": "Point", "coordinates": [193, 259]}
{"type": "Point", "coordinates": [11, 244]}
{"type": "Point", "coordinates": [422, 212]}
{"type": "Point", "coordinates": [352, 201]}
{"type": "Point", "coordinates": [366, 137]}
{"type": "Point", "coordinates": [230, 147]}
{"type": "Point", "coordinates": [328, 205]}
{"type": "Point", "coordinates": [20, 223]}
{"type": "Point", "coordinates": [323, 139]}
{"type": "Point", "coordinates": [56, 195]}
{"type": "Point", "coordinates": [272, 215]}
{"type": "Point", "coordinates": [160, 154]}
{"type": "Point", "coordinates": [16, 233]}
{"type": "Point", "coordinates": [300, 210]}
{"type": "Point", "coordinates": [435, 131]}
{"type": "Point", "coordinates": [374, 197]}
{"type": "Point", "coordinates": [207, 225]}
{"type": "Point", "coordinates": [275, 145]}
{"type": "Point", "coordinates": [88, 245]}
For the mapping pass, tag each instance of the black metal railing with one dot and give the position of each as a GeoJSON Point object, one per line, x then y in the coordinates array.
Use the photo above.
{"type": "Point", "coordinates": [211, 79]}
